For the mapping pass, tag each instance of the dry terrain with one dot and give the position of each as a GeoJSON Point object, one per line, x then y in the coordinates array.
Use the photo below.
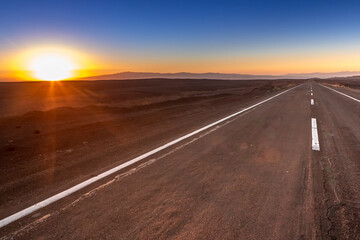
{"type": "Point", "coordinates": [254, 176]}
{"type": "Point", "coordinates": [64, 132]}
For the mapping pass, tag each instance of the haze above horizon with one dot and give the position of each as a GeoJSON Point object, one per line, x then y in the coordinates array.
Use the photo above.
{"type": "Point", "coordinates": [85, 38]}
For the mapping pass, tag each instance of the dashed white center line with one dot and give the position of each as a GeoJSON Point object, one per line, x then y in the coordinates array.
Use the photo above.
{"type": "Point", "coordinates": [312, 101]}
{"type": "Point", "coordinates": [312, 94]}
{"type": "Point", "coordinates": [315, 137]}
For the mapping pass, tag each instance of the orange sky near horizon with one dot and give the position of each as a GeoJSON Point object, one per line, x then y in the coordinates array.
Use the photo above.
{"type": "Point", "coordinates": [241, 37]}
{"type": "Point", "coordinates": [90, 63]}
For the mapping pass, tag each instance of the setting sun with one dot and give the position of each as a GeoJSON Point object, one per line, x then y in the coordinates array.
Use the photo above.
{"type": "Point", "coordinates": [52, 67]}
{"type": "Point", "coordinates": [51, 62]}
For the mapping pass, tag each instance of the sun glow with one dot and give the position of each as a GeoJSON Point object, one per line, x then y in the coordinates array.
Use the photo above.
{"type": "Point", "coordinates": [52, 67]}
{"type": "Point", "coordinates": [51, 63]}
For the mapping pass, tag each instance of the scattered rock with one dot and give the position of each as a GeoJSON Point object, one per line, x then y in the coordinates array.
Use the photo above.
{"type": "Point", "coordinates": [70, 150]}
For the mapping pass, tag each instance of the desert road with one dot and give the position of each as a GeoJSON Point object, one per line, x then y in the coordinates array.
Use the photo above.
{"type": "Point", "coordinates": [285, 165]}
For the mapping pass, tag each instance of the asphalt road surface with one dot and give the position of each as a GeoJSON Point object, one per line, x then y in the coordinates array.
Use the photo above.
{"type": "Point", "coordinates": [253, 176]}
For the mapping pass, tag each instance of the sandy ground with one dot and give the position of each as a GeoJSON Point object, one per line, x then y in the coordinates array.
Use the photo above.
{"type": "Point", "coordinates": [44, 151]}
{"type": "Point", "coordinates": [255, 177]}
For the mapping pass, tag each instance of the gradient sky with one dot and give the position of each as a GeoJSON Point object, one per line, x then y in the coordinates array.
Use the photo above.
{"type": "Point", "coordinates": [255, 37]}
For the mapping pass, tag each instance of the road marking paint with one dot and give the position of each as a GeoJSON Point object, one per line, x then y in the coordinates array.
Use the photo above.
{"type": "Point", "coordinates": [312, 101]}
{"type": "Point", "coordinates": [355, 99]}
{"type": "Point", "coordinates": [86, 183]}
{"type": "Point", "coordinates": [315, 137]}
{"type": "Point", "coordinates": [120, 176]}
{"type": "Point", "coordinates": [312, 94]}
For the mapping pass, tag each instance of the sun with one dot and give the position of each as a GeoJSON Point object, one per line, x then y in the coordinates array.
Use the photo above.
{"type": "Point", "coordinates": [52, 67]}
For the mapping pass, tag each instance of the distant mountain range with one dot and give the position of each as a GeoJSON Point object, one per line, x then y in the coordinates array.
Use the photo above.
{"type": "Point", "coordinates": [226, 76]}
{"type": "Point", "coordinates": [4, 76]}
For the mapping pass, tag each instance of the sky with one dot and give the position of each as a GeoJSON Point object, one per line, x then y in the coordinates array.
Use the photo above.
{"type": "Point", "coordinates": [250, 37]}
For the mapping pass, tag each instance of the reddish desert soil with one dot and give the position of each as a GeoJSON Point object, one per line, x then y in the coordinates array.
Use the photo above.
{"type": "Point", "coordinates": [350, 82]}
{"type": "Point", "coordinates": [54, 135]}
{"type": "Point", "coordinates": [254, 177]}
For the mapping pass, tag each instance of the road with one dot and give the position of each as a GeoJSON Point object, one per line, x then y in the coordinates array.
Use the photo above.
{"type": "Point", "coordinates": [252, 176]}
{"type": "Point", "coordinates": [338, 162]}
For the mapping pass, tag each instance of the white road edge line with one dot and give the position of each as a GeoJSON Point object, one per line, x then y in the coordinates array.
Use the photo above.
{"type": "Point", "coordinates": [315, 137]}
{"type": "Point", "coordinates": [312, 101]}
{"type": "Point", "coordinates": [86, 183]}
{"type": "Point", "coordinates": [355, 99]}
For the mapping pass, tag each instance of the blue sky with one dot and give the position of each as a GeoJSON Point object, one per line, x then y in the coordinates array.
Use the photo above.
{"type": "Point", "coordinates": [179, 31]}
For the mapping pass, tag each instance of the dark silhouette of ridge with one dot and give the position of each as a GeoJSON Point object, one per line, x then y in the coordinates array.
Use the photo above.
{"type": "Point", "coordinates": [210, 75]}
